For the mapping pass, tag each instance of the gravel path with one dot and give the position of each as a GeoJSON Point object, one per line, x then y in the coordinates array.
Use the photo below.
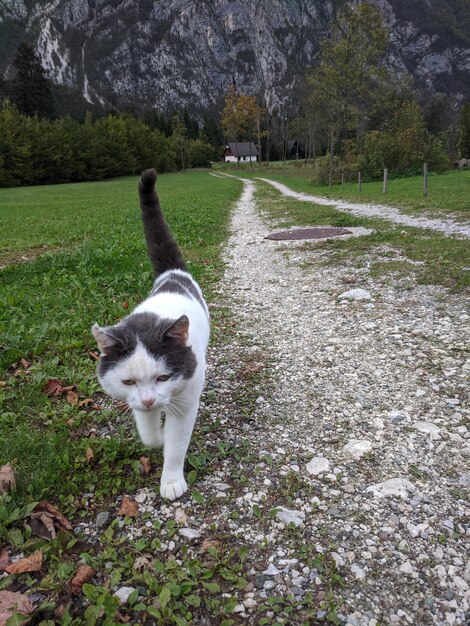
{"type": "Point", "coordinates": [392, 214]}
{"type": "Point", "coordinates": [367, 407]}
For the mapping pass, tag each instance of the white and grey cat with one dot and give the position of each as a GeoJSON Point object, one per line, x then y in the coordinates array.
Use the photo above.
{"type": "Point", "coordinates": [154, 359]}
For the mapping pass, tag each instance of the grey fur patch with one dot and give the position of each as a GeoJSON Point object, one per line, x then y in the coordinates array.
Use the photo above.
{"type": "Point", "coordinates": [150, 330]}
{"type": "Point", "coordinates": [177, 282]}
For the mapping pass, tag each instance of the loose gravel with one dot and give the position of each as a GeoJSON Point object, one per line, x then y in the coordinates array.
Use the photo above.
{"type": "Point", "coordinates": [369, 405]}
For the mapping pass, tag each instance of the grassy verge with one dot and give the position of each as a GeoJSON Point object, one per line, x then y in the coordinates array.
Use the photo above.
{"type": "Point", "coordinates": [430, 257]}
{"type": "Point", "coordinates": [448, 192]}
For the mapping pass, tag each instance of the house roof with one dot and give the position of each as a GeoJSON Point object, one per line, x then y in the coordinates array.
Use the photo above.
{"type": "Point", "coordinates": [242, 148]}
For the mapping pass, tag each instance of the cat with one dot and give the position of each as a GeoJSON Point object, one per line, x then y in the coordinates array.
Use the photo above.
{"type": "Point", "coordinates": [155, 358]}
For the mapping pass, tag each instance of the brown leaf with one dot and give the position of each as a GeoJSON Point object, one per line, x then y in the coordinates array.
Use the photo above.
{"type": "Point", "coordinates": [63, 603]}
{"type": "Point", "coordinates": [72, 398]}
{"type": "Point", "coordinates": [3, 383]}
{"type": "Point", "coordinates": [69, 422]}
{"type": "Point", "coordinates": [31, 563]}
{"type": "Point", "coordinates": [252, 369]}
{"type": "Point", "coordinates": [141, 562]}
{"type": "Point", "coordinates": [94, 355]}
{"type": "Point", "coordinates": [144, 465]}
{"type": "Point", "coordinates": [125, 304]}
{"type": "Point", "coordinates": [209, 542]}
{"type": "Point", "coordinates": [46, 520]}
{"type": "Point", "coordinates": [83, 575]}
{"type": "Point", "coordinates": [7, 478]}
{"type": "Point", "coordinates": [4, 559]}
{"type": "Point", "coordinates": [12, 602]}
{"type": "Point", "coordinates": [128, 507]}
{"type": "Point", "coordinates": [54, 387]}
{"type": "Point", "coordinates": [122, 618]}
{"type": "Point", "coordinates": [89, 454]}
{"type": "Point", "coordinates": [25, 363]}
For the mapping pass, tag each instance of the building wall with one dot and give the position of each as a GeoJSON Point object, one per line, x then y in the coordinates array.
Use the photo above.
{"type": "Point", "coordinates": [246, 159]}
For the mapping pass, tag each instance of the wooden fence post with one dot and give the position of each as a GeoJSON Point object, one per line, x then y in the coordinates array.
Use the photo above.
{"type": "Point", "coordinates": [385, 179]}
{"type": "Point", "coordinates": [342, 179]}
{"type": "Point", "coordinates": [425, 172]}
{"type": "Point", "coordinates": [359, 181]}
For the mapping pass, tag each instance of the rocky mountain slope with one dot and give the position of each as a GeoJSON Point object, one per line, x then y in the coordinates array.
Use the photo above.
{"type": "Point", "coordinates": [184, 52]}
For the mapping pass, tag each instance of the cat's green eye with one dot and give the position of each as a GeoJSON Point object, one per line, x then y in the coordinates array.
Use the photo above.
{"type": "Point", "coordinates": [128, 382]}
{"type": "Point", "coordinates": [162, 378]}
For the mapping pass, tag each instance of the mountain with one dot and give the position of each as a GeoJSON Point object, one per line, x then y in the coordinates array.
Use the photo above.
{"type": "Point", "coordinates": [182, 53]}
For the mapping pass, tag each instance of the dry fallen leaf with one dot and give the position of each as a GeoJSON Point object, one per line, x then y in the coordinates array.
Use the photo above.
{"type": "Point", "coordinates": [12, 602]}
{"type": "Point", "coordinates": [144, 465]}
{"type": "Point", "coordinates": [83, 575]}
{"type": "Point", "coordinates": [209, 543]}
{"type": "Point", "coordinates": [128, 507]}
{"type": "Point", "coordinates": [89, 454]}
{"type": "Point", "coordinates": [7, 478]}
{"type": "Point", "coordinates": [125, 304]}
{"type": "Point", "coordinates": [4, 559]}
{"type": "Point", "coordinates": [46, 520]}
{"type": "Point", "coordinates": [31, 563]}
{"type": "Point", "coordinates": [72, 398]}
{"type": "Point", "coordinates": [54, 387]}
{"type": "Point", "coordinates": [141, 562]}
{"type": "Point", "coordinates": [94, 355]}
{"type": "Point", "coordinates": [25, 363]}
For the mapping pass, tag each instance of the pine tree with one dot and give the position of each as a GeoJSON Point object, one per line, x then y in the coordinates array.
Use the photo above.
{"type": "Point", "coordinates": [30, 89]}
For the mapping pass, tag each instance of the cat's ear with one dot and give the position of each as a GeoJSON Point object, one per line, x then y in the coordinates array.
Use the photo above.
{"type": "Point", "coordinates": [178, 330]}
{"type": "Point", "coordinates": [105, 338]}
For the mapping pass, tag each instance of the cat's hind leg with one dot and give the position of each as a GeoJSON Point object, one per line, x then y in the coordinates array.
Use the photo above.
{"type": "Point", "coordinates": [149, 427]}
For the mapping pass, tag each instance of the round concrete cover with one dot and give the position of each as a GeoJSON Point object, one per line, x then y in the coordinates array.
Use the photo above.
{"type": "Point", "coordinates": [309, 233]}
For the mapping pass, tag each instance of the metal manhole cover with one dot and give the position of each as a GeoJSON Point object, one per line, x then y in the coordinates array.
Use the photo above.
{"type": "Point", "coordinates": [308, 233]}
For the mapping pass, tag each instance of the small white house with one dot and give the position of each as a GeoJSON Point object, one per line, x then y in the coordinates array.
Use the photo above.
{"type": "Point", "coordinates": [240, 152]}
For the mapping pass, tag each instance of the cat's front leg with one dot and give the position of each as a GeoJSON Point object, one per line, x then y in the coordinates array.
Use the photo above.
{"type": "Point", "coordinates": [178, 431]}
{"type": "Point", "coordinates": [149, 427]}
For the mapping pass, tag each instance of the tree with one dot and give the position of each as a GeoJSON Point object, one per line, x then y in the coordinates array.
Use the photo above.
{"type": "Point", "coordinates": [464, 131]}
{"type": "Point", "coordinates": [179, 139]}
{"type": "Point", "coordinates": [351, 71]}
{"type": "Point", "coordinates": [30, 89]}
{"type": "Point", "coordinates": [241, 117]}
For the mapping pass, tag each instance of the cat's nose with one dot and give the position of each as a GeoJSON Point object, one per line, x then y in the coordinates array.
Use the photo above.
{"type": "Point", "coordinates": [148, 403]}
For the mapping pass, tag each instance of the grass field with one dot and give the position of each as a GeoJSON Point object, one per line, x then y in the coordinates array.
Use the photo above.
{"type": "Point", "coordinates": [448, 192]}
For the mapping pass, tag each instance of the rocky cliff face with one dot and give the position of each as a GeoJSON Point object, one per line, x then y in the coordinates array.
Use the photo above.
{"type": "Point", "coordinates": [173, 53]}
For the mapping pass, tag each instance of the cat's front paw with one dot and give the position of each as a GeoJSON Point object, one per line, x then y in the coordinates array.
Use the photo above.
{"type": "Point", "coordinates": [172, 489]}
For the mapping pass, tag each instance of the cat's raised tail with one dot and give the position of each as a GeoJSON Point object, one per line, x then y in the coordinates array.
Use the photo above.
{"type": "Point", "coordinates": [163, 250]}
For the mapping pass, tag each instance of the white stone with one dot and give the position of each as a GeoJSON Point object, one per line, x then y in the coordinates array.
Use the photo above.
{"type": "Point", "coordinates": [286, 516]}
{"type": "Point", "coordinates": [406, 568]}
{"type": "Point", "coordinates": [355, 294]}
{"type": "Point", "coordinates": [271, 571]}
{"type": "Point", "coordinates": [189, 533]}
{"type": "Point", "coordinates": [357, 571]}
{"type": "Point", "coordinates": [123, 594]}
{"type": "Point", "coordinates": [428, 428]}
{"type": "Point", "coordinates": [140, 497]}
{"type": "Point", "coordinates": [318, 465]}
{"type": "Point", "coordinates": [392, 487]}
{"type": "Point", "coordinates": [356, 448]}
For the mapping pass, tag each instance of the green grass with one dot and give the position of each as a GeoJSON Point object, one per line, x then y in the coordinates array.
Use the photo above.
{"type": "Point", "coordinates": [443, 260]}
{"type": "Point", "coordinates": [48, 306]}
{"type": "Point", "coordinates": [448, 192]}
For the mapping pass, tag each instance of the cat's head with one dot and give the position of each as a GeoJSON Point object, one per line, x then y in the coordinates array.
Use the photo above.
{"type": "Point", "coordinates": [145, 360]}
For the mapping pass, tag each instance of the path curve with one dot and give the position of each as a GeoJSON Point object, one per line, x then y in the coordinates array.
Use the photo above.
{"type": "Point", "coordinates": [367, 410]}
{"type": "Point", "coordinates": [389, 213]}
